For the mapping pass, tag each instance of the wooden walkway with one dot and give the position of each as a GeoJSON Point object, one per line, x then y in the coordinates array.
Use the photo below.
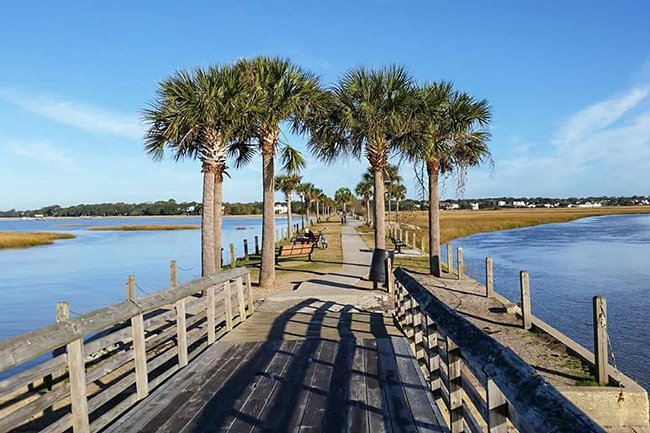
{"type": "Point", "coordinates": [312, 368]}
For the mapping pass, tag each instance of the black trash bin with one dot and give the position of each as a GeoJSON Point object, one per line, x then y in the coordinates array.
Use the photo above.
{"type": "Point", "coordinates": [378, 265]}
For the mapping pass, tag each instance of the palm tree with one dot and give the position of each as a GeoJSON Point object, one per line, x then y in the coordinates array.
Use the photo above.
{"type": "Point", "coordinates": [318, 199]}
{"type": "Point", "coordinates": [453, 137]}
{"type": "Point", "coordinates": [391, 179]}
{"type": "Point", "coordinates": [370, 116]}
{"type": "Point", "coordinates": [398, 192]}
{"type": "Point", "coordinates": [343, 196]}
{"type": "Point", "coordinates": [287, 184]}
{"type": "Point", "coordinates": [364, 190]}
{"type": "Point", "coordinates": [284, 93]}
{"type": "Point", "coordinates": [198, 115]}
{"type": "Point", "coordinates": [308, 192]}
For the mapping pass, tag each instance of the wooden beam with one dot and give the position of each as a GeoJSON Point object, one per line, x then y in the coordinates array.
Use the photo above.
{"type": "Point", "coordinates": [497, 407]}
{"type": "Point", "coordinates": [78, 392]}
{"type": "Point", "coordinates": [181, 332]}
{"type": "Point", "coordinates": [241, 301]}
{"type": "Point", "coordinates": [210, 315]}
{"type": "Point", "coordinates": [526, 314]}
{"type": "Point", "coordinates": [455, 387]}
{"type": "Point", "coordinates": [601, 353]}
{"type": "Point", "coordinates": [461, 263]}
{"type": "Point", "coordinates": [489, 278]}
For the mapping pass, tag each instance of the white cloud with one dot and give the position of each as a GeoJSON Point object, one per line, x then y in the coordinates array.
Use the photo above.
{"type": "Point", "coordinates": [600, 115]}
{"type": "Point", "coordinates": [84, 116]}
{"type": "Point", "coordinates": [42, 152]}
{"type": "Point", "coordinates": [601, 149]}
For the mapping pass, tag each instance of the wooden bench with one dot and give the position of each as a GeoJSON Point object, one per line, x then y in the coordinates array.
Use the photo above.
{"type": "Point", "coordinates": [305, 241]}
{"type": "Point", "coordinates": [398, 245]}
{"type": "Point", "coordinates": [295, 251]}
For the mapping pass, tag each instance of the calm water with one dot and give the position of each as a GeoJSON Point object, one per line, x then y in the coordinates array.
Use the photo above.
{"type": "Point", "coordinates": [90, 271]}
{"type": "Point", "coordinates": [570, 263]}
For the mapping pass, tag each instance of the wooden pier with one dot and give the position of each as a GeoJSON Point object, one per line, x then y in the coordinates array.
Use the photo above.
{"type": "Point", "coordinates": [199, 357]}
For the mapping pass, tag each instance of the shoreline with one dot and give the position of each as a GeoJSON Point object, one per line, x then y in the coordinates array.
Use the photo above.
{"type": "Point", "coordinates": [249, 216]}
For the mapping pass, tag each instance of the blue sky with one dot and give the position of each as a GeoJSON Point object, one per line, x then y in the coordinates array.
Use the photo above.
{"type": "Point", "coordinates": [569, 82]}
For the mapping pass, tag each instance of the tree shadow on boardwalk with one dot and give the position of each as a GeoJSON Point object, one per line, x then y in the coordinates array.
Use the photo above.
{"type": "Point", "coordinates": [324, 380]}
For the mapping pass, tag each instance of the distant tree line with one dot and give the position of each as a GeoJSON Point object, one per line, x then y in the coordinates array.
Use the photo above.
{"type": "Point", "coordinates": [168, 207]}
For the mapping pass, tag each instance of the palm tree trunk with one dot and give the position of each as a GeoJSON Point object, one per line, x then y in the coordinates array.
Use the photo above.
{"type": "Point", "coordinates": [396, 210]}
{"type": "Point", "coordinates": [218, 214]}
{"type": "Point", "coordinates": [368, 211]}
{"type": "Point", "coordinates": [433, 168]}
{"type": "Point", "coordinates": [308, 204]}
{"type": "Point", "coordinates": [317, 211]}
{"type": "Point", "coordinates": [267, 271]}
{"type": "Point", "coordinates": [207, 222]}
{"type": "Point", "coordinates": [380, 206]}
{"type": "Point", "coordinates": [289, 225]}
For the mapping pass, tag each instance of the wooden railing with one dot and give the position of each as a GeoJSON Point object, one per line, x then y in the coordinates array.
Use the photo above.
{"type": "Point", "coordinates": [106, 360]}
{"type": "Point", "coordinates": [484, 385]}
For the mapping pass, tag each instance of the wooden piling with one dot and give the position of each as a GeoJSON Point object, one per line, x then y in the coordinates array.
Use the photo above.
{"type": "Point", "coordinates": [78, 391]}
{"type": "Point", "coordinates": [173, 273]}
{"type": "Point", "coordinates": [455, 387]}
{"type": "Point", "coordinates": [139, 348]}
{"type": "Point", "coordinates": [257, 246]}
{"type": "Point", "coordinates": [601, 353]}
{"type": "Point", "coordinates": [241, 301]}
{"type": "Point", "coordinates": [450, 258]}
{"type": "Point", "coordinates": [461, 264]}
{"type": "Point", "coordinates": [524, 281]}
{"type": "Point", "coordinates": [227, 305]}
{"type": "Point", "coordinates": [489, 278]}
{"type": "Point", "coordinates": [390, 277]}
{"type": "Point", "coordinates": [181, 333]}
{"type": "Point", "coordinates": [245, 249]}
{"type": "Point", "coordinates": [211, 315]}
{"type": "Point", "coordinates": [233, 258]}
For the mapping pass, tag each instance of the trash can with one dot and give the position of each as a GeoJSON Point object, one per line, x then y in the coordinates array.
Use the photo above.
{"type": "Point", "coordinates": [378, 265]}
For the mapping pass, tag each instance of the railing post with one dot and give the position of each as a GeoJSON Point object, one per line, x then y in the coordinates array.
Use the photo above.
{"type": "Point", "coordinates": [210, 315]}
{"type": "Point", "coordinates": [418, 334]}
{"type": "Point", "coordinates": [257, 245]}
{"type": "Point", "coordinates": [455, 387]}
{"type": "Point", "coordinates": [249, 291]}
{"type": "Point", "coordinates": [240, 299]}
{"type": "Point", "coordinates": [173, 273]}
{"type": "Point", "coordinates": [406, 237]}
{"type": "Point", "coordinates": [432, 355]}
{"type": "Point", "coordinates": [77, 377]}
{"type": "Point", "coordinates": [181, 332]}
{"type": "Point", "coordinates": [601, 353]}
{"type": "Point", "coordinates": [450, 258]}
{"type": "Point", "coordinates": [489, 278]}
{"type": "Point", "coordinates": [245, 249]}
{"type": "Point", "coordinates": [390, 277]}
{"type": "Point", "coordinates": [227, 302]}
{"type": "Point", "coordinates": [497, 407]}
{"type": "Point", "coordinates": [139, 348]}
{"type": "Point", "coordinates": [233, 258]}
{"type": "Point", "coordinates": [524, 280]}
{"type": "Point", "coordinates": [461, 264]}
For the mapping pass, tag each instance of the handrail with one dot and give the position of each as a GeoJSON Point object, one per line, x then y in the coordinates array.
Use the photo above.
{"type": "Point", "coordinates": [512, 389]}
{"type": "Point", "coordinates": [106, 360]}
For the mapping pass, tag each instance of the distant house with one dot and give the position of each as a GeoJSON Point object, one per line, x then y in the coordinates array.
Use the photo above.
{"type": "Point", "coordinates": [519, 204]}
{"type": "Point", "coordinates": [502, 203]}
{"type": "Point", "coordinates": [474, 206]}
{"type": "Point", "coordinates": [590, 204]}
{"type": "Point", "coordinates": [281, 208]}
{"type": "Point", "coordinates": [39, 216]}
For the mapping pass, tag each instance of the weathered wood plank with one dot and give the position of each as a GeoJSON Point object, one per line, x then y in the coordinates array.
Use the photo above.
{"type": "Point", "coordinates": [314, 413]}
{"type": "Point", "coordinates": [376, 398]}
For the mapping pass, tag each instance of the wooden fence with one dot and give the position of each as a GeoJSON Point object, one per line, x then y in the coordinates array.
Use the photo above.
{"type": "Point", "coordinates": [484, 385]}
{"type": "Point", "coordinates": [105, 361]}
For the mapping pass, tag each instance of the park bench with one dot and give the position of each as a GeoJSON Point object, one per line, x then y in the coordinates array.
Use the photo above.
{"type": "Point", "coordinates": [296, 240]}
{"type": "Point", "coordinates": [398, 245]}
{"type": "Point", "coordinates": [295, 251]}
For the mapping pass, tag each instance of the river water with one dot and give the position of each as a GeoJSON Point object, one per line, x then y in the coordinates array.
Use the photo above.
{"type": "Point", "coordinates": [90, 271]}
{"type": "Point", "coordinates": [569, 263]}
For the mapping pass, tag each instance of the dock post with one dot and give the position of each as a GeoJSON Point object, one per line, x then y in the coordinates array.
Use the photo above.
{"type": "Point", "coordinates": [233, 259]}
{"type": "Point", "coordinates": [406, 237]}
{"type": "Point", "coordinates": [241, 300]}
{"type": "Point", "coordinates": [227, 305]}
{"type": "Point", "coordinates": [432, 355]}
{"type": "Point", "coordinates": [245, 249]}
{"type": "Point", "coordinates": [601, 360]}
{"type": "Point", "coordinates": [257, 246]}
{"type": "Point", "coordinates": [173, 273]}
{"type": "Point", "coordinates": [211, 319]}
{"type": "Point", "coordinates": [460, 265]}
{"type": "Point", "coordinates": [139, 350]}
{"type": "Point", "coordinates": [455, 387]}
{"type": "Point", "coordinates": [78, 390]}
{"type": "Point", "coordinates": [390, 277]}
{"type": "Point", "coordinates": [524, 280]}
{"type": "Point", "coordinates": [489, 278]}
{"type": "Point", "coordinates": [450, 258]}
{"type": "Point", "coordinates": [497, 407]}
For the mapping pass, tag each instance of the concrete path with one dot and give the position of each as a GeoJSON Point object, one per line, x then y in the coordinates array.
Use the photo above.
{"type": "Point", "coordinates": [343, 287]}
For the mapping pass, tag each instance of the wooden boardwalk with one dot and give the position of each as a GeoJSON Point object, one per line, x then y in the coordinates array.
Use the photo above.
{"type": "Point", "coordinates": [315, 367]}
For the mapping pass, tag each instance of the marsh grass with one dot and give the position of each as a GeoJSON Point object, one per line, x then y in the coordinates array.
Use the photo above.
{"type": "Point", "coordinates": [144, 227]}
{"type": "Point", "coordinates": [30, 239]}
{"type": "Point", "coordinates": [460, 223]}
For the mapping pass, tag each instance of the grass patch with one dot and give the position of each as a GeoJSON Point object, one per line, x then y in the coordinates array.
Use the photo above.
{"type": "Point", "coordinates": [460, 223]}
{"type": "Point", "coordinates": [143, 227]}
{"type": "Point", "coordinates": [322, 259]}
{"type": "Point", "coordinates": [30, 239]}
